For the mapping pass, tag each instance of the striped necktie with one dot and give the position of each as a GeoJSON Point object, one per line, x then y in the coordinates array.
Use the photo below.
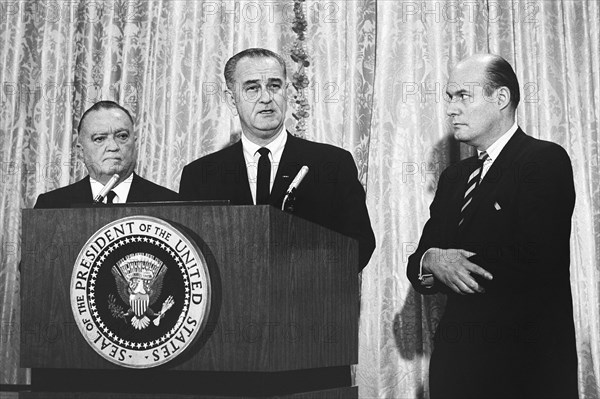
{"type": "Point", "coordinates": [472, 184]}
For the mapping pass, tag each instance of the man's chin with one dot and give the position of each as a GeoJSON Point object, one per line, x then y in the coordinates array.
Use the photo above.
{"type": "Point", "coordinates": [268, 123]}
{"type": "Point", "coordinates": [268, 129]}
{"type": "Point", "coordinates": [460, 136]}
{"type": "Point", "coordinates": [110, 172]}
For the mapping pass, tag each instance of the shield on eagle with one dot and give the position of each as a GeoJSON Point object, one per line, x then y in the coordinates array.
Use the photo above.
{"type": "Point", "coordinates": [139, 278]}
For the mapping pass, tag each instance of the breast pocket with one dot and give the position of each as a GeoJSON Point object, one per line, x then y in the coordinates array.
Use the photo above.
{"type": "Point", "coordinates": [500, 214]}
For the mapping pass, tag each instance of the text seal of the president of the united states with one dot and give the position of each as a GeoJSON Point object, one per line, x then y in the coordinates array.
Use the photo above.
{"type": "Point", "coordinates": [140, 291]}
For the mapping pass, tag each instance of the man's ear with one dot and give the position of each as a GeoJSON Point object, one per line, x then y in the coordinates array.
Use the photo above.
{"type": "Point", "coordinates": [230, 100]}
{"type": "Point", "coordinates": [503, 97]}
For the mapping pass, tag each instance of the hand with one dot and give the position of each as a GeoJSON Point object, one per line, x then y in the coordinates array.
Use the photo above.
{"type": "Point", "coordinates": [453, 268]}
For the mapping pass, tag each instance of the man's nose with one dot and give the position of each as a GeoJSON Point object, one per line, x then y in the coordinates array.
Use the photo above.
{"type": "Point", "coordinates": [452, 109]}
{"type": "Point", "coordinates": [111, 143]}
{"type": "Point", "coordinates": [265, 95]}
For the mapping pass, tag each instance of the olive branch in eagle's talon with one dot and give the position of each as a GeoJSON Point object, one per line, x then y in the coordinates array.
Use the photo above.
{"type": "Point", "coordinates": [115, 310]}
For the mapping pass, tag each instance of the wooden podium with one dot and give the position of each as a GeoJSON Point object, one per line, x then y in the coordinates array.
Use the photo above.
{"type": "Point", "coordinates": [283, 319]}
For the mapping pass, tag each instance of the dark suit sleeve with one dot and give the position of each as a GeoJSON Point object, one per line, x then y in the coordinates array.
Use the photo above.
{"type": "Point", "coordinates": [544, 204]}
{"type": "Point", "coordinates": [199, 181]}
{"type": "Point", "coordinates": [354, 217]}
{"type": "Point", "coordinates": [186, 185]}
{"type": "Point", "coordinates": [42, 202]}
{"type": "Point", "coordinates": [432, 237]}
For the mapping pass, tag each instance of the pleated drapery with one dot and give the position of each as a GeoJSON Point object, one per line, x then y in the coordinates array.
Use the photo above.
{"type": "Point", "coordinates": [377, 76]}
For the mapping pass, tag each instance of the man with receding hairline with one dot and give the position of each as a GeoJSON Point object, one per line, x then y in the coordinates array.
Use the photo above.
{"type": "Point", "coordinates": [107, 142]}
{"type": "Point", "coordinates": [497, 244]}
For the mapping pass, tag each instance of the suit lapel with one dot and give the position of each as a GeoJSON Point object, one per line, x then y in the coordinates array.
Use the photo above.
{"type": "Point", "coordinates": [136, 192]}
{"type": "Point", "coordinates": [83, 193]}
{"type": "Point", "coordinates": [289, 166]}
{"type": "Point", "coordinates": [241, 187]}
{"type": "Point", "coordinates": [494, 175]}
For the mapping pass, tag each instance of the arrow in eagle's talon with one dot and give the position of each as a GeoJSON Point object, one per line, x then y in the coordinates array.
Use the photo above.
{"type": "Point", "coordinates": [167, 304]}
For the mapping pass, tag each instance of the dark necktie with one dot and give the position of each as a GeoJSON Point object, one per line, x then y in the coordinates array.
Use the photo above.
{"type": "Point", "coordinates": [472, 184]}
{"type": "Point", "coordinates": [263, 177]}
{"type": "Point", "coordinates": [110, 197]}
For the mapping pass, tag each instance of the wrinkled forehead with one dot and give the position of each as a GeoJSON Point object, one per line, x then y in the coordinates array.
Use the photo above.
{"type": "Point", "coordinates": [106, 121]}
{"type": "Point", "coordinates": [258, 69]}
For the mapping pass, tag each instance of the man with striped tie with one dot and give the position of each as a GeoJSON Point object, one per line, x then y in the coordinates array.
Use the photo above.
{"type": "Point", "coordinates": [497, 244]}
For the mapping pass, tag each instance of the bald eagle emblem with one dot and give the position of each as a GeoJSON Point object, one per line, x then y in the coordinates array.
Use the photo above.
{"type": "Point", "coordinates": [139, 278]}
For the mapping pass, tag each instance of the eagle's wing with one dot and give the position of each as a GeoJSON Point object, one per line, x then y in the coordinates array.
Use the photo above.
{"type": "Point", "coordinates": [156, 284]}
{"type": "Point", "coordinates": [122, 286]}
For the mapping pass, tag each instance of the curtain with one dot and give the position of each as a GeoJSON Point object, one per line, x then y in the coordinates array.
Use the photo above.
{"type": "Point", "coordinates": [553, 46]}
{"type": "Point", "coordinates": [163, 60]}
{"type": "Point", "coordinates": [376, 89]}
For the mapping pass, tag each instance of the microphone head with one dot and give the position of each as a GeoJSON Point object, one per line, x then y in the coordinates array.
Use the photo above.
{"type": "Point", "coordinates": [107, 187]}
{"type": "Point", "coordinates": [298, 179]}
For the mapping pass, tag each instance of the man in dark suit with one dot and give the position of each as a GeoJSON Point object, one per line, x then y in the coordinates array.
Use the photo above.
{"type": "Point", "coordinates": [497, 243]}
{"type": "Point", "coordinates": [107, 141]}
{"type": "Point", "coordinates": [260, 167]}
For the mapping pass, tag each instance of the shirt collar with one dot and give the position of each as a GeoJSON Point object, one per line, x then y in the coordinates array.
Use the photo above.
{"type": "Point", "coordinates": [275, 146]}
{"type": "Point", "coordinates": [494, 150]}
{"type": "Point", "coordinates": [122, 189]}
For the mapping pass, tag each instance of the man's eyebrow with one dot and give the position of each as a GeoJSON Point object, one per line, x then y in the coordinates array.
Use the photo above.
{"type": "Point", "coordinates": [457, 93]}
{"type": "Point", "coordinates": [250, 82]}
{"type": "Point", "coordinates": [106, 133]}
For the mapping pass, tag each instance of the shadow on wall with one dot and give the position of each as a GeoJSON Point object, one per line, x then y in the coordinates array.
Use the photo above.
{"type": "Point", "coordinates": [444, 153]}
{"type": "Point", "coordinates": [414, 328]}
{"type": "Point", "coordinates": [415, 325]}
{"type": "Point", "coordinates": [587, 378]}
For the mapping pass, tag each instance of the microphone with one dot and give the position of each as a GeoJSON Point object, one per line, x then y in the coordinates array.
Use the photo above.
{"type": "Point", "coordinates": [107, 187]}
{"type": "Point", "coordinates": [297, 180]}
{"type": "Point", "coordinates": [295, 183]}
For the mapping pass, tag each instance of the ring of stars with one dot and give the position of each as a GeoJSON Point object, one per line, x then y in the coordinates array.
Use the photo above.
{"type": "Point", "coordinates": [92, 285]}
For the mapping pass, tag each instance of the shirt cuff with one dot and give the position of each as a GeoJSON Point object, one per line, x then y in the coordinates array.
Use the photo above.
{"type": "Point", "coordinates": [427, 279]}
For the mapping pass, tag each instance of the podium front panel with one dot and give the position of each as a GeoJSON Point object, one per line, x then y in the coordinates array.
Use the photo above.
{"type": "Point", "coordinates": [284, 290]}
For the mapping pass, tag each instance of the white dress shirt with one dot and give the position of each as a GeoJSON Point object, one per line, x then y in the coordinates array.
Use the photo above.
{"type": "Point", "coordinates": [251, 156]}
{"type": "Point", "coordinates": [494, 150]}
{"type": "Point", "coordinates": [122, 189]}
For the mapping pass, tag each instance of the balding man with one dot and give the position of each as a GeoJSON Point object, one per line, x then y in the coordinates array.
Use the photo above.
{"type": "Point", "coordinates": [108, 144]}
{"type": "Point", "coordinates": [497, 243]}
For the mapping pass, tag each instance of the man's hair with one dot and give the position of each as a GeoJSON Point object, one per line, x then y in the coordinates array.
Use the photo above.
{"type": "Point", "coordinates": [100, 105]}
{"type": "Point", "coordinates": [499, 73]}
{"type": "Point", "coordinates": [249, 53]}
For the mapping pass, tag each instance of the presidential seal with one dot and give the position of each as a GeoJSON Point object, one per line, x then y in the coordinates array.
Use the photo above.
{"type": "Point", "coordinates": [140, 291]}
